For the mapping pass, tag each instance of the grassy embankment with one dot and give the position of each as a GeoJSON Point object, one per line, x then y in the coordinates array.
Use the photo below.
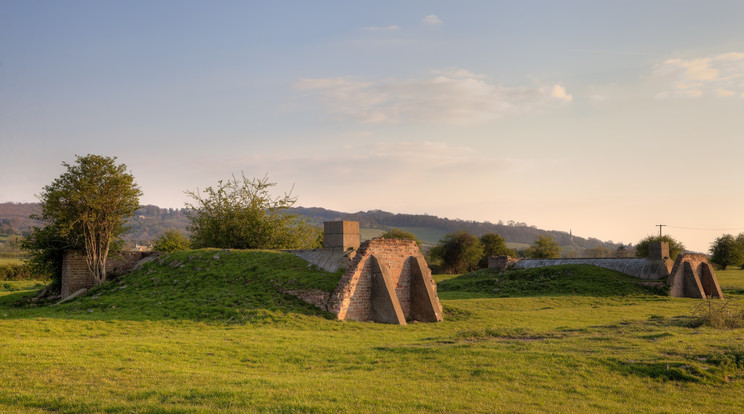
{"type": "Point", "coordinates": [196, 333]}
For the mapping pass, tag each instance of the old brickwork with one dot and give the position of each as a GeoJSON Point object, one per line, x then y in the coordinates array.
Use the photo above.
{"type": "Point", "coordinates": [693, 277]}
{"type": "Point", "coordinates": [352, 298]}
{"type": "Point", "coordinates": [76, 275]}
{"type": "Point", "coordinates": [501, 263]}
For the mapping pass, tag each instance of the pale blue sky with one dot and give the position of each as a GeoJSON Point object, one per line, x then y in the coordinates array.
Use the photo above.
{"type": "Point", "coordinates": [601, 117]}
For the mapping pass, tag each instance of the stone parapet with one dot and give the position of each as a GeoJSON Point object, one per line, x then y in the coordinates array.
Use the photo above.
{"type": "Point", "coordinates": [640, 268]}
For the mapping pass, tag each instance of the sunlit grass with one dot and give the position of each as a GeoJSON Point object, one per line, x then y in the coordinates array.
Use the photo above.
{"type": "Point", "coordinates": [546, 353]}
{"type": "Point", "coordinates": [10, 260]}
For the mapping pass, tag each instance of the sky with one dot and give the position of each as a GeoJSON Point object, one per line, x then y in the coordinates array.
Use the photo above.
{"type": "Point", "coordinates": [605, 118]}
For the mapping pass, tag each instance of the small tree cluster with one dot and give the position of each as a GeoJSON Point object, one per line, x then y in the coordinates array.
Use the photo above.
{"type": "Point", "coordinates": [462, 252]}
{"type": "Point", "coordinates": [728, 250]}
{"type": "Point", "coordinates": [675, 247]}
{"type": "Point", "coordinates": [241, 213]}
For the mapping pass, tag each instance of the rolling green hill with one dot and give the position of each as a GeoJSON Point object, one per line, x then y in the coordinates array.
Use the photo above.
{"type": "Point", "coordinates": [236, 286]}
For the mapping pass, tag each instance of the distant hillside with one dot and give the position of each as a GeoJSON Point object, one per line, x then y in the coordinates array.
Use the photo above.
{"type": "Point", "coordinates": [148, 222]}
{"type": "Point", "coordinates": [431, 228]}
{"type": "Point", "coordinates": [151, 221]}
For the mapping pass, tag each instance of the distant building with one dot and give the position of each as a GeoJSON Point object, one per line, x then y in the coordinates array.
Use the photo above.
{"type": "Point", "coordinates": [142, 248]}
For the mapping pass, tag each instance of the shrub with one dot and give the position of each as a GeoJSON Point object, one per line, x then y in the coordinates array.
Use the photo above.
{"type": "Point", "coordinates": [15, 271]}
{"type": "Point", "coordinates": [241, 213]}
{"type": "Point", "coordinates": [457, 252]}
{"type": "Point", "coordinates": [494, 245]}
{"type": "Point", "coordinates": [675, 247]}
{"type": "Point", "coordinates": [10, 288]}
{"type": "Point", "coordinates": [171, 241]}
{"type": "Point", "coordinates": [717, 314]}
{"type": "Point", "coordinates": [400, 234]}
{"type": "Point", "coordinates": [544, 248]}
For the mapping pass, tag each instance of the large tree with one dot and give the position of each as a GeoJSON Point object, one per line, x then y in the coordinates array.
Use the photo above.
{"type": "Point", "coordinates": [241, 213]}
{"type": "Point", "coordinates": [85, 209]}
{"type": "Point", "coordinates": [727, 250]}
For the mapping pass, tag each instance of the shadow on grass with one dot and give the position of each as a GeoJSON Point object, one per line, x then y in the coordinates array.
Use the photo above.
{"type": "Point", "coordinates": [734, 291]}
{"type": "Point", "coordinates": [281, 309]}
{"type": "Point", "coordinates": [565, 280]}
{"type": "Point", "coordinates": [662, 371]}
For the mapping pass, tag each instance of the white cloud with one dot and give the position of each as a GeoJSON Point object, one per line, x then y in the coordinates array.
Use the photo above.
{"type": "Point", "coordinates": [432, 19]}
{"type": "Point", "coordinates": [724, 92]}
{"type": "Point", "coordinates": [456, 96]}
{"type": "Point", "coordinates": [559, 92]}
{"type": "Point", "coordinates": [719, 75]}
{"type": "Point", "coordinates": [382, 28]}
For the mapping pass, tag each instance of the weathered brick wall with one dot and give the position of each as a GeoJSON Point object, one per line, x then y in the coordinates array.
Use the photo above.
{"type": "Point", "coordinates": [501, 263]}
{"type": "Point", "coordinates": [76, 275]}
{"type": "Point", "coordinates": [693, 277]}
{"type": "Point", "coordinates": [352, 298]}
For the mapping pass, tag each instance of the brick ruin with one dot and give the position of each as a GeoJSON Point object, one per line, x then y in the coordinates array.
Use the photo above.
{"type": "Point", "coordinates": [690, 276]}
{"type": "Point", "coordinates": [77, 276]}
{"type": "Point", "coordinates": [693, 277]}
{"type": "Point", "coordinates": [386, 280]}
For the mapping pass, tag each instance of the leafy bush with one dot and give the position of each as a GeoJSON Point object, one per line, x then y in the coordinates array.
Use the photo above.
{"type": "Point", "coordinates": [171, 241]}
{"type": "Point", "coordinates": [13, 271]}
{"type": "Point", "coordinates": [494, 245]}
{"type": "Point", "coordinates": [458, 252]}
{"type": "Point", "coordinates": [242, 214]}
{"type": "Point", "coordinates": [675, 247]}
{"type": "Point", "coordinates": [544, 248]}
{"type": "Point", "coordinates": [400, 234]}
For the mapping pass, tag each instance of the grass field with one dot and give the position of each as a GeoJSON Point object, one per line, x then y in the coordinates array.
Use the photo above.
{"type": "Point", "coordinates": [7, 260]}
{"type": "Point", "coordinates": [207, 331]}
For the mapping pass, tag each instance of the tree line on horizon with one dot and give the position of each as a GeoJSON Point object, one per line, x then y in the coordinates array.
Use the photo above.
{"type": "Point", "coordinates": [92, 205]}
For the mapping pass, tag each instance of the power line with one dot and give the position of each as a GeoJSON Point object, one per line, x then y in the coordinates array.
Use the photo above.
{"type": "Point", "coordinates": [695, 228]}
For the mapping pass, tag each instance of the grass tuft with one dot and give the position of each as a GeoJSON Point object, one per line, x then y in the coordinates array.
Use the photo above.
{"type": "Point", "coordinates": [719, 314]}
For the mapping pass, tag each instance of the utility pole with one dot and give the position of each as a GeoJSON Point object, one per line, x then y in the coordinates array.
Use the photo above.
{"type": "Point", "coordinates": [660, 226]}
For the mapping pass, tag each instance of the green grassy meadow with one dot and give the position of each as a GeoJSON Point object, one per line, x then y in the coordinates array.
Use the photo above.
{"type": "Point", "coordinates": [211, 331]}
{"type": "Point", "coordinates": [10, 260]}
